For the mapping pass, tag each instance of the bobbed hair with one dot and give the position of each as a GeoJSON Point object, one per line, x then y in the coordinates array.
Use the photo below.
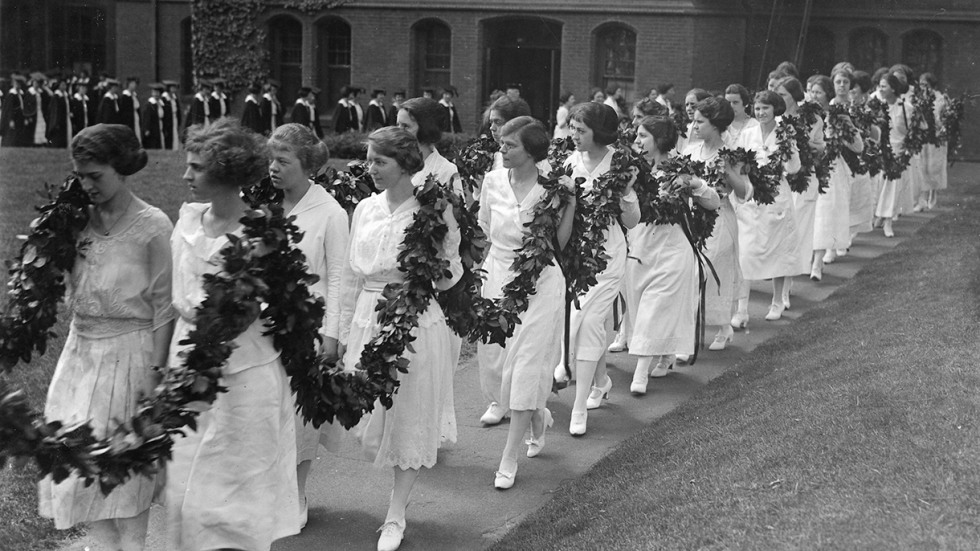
{"type": "Point", "coordinates": [565, 96]}
{"type": "Point", "coordinates": [429, 115]}
{"type": "Point", "coordinates": [909, 73]}
{"type": "Point", "coordinates": [650, 107]}
{"type": "Point", "coordinates": [232, 155]}
{"type": "Point", "coordinates": [664, 88]}
{"type": "Point", "coordinates": [509, 108]}
{"type": "Point", "coordinates": [895, 83]}
{"type": "Point", "coordinates": [532, 135]}
{"type": "Point", "coordinates": [600, 118]}
{"type": "Point", "coordinates": [931, 79]}
{"type": "Point", "coordinates": [742, 92]}
{"type": "Point", "coordinates": [110, 144]}
{"type": "Point", "coordinates": [398, 144]}
{"type": "Point", "coordinates": [772, 99]}
{"type": "Point", "coordinates": [302, 142]}
{"type": "Point", "coordinates": [663, 130]}
{"type": "Point", "coordinates": [718, 112]}
{"type": "Point", "coordinates": [862, 80]}
{"type": "Point", "coordinates": [846, 73]}
{"type": "Point", "coordinates": [793, 86]}
{"type": "Point", "coordinates": [698, 93]}
{"type": "Point", "coordinates": [824, 82]}
{"type": "Point", "coordinates": [789, 68]}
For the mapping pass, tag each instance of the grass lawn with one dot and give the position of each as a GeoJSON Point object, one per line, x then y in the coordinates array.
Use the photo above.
{"type": "Point", "coordinates": [23, 173]}
{"type": "Point", "coordinates": [855, 429]}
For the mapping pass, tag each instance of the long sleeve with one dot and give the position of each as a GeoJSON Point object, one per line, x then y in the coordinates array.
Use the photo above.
{"type": "Point", "coordinates": [335, 254]}
{"type": "Point", "coordinates": [483, 217]}
{"type": "Point", "coordinates": [630, 215]}
{"type": "Point", "coordinates": [349, 282]}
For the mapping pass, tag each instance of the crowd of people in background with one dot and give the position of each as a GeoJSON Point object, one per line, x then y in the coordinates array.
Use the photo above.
{"type": "Point", "coordinates": [839, 124]}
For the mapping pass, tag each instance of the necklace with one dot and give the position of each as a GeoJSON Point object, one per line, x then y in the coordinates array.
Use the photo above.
{"type": "Point", "coordinates": [120, 217]}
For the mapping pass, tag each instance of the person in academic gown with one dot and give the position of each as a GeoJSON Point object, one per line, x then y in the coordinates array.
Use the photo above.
{"type": "Point", "coordinates": [252, 113]}
{"type": "Point", "coordinates": [396, 104]}
{"type": "Point", "coordinates": [13, 127]}
{"type": "Point", "coordinates": [153, 116]}
{"type": "Point", "coordinates": [81, 111]}
{"type": "Point", "coordinates": [129, 107]}
{"type": "Point", "coordinates": [109, 106]}
{"type": "Point", "coordinates": [200, 112]}
{"type": "Point", "coordinates": [345, 116]}
{"type": "Point", "coordinates": [452, 116]}
{"type": "Point", "coordinates": [172, 115]}
{"type": "Point", "coordinates": [376, 116]}
{"type": "Point", "coordinates": [59, 117]}
{"type": "Point", "coordinates": [271, 109]}
{"type": "Point", "coordinates": [220, 104]}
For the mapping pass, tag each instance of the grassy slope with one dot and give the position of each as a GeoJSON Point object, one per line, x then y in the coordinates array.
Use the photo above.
{"type": "Point", "coordinates": [854, 429]}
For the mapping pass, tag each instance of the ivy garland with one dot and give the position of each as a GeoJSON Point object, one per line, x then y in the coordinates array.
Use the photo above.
{"type": "Point", "coordinates": [870, 160]}
{"type": "Point", "coordinates": [952, 116]}
{"type": "Point", "coordinates": [803, 122]}
{"type": "Point", "coordinates": [839, 135]}
{"type": "Point", "coordinates": [474, 160]}
{"type": "Point", "coordinates": [348, 187]}
{"type": "Point", "coordinates": [918, 129]}
{"type": "Point", "coordinates": [661, 207]}
{"type": "Point", "coordinates": [261, 267]}
{"type": "Point", "coordinates": [893, 164]}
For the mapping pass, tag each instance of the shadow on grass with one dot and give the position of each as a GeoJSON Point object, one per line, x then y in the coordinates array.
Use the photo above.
{"type": "Point", "coordinates": [854, 428]}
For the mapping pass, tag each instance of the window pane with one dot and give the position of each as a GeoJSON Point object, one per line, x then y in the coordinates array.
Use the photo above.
{"type": "Point", "coordinates": [617, 53]}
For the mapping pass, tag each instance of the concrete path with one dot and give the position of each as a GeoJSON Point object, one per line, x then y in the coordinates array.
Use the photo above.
{"type": "Point", "coordinates": [455, 507]}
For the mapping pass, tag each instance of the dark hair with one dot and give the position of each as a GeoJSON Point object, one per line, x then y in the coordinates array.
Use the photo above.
{"type": "Point", "coordinates": [768, 97]}
{"type": "Point", "coordinates": [400, 145]}
{"type": "Point", "coordinates": [718, 112]}
{"type": "Point", "coordinates": [110, 144]}
{"type": "Point", "coordinates": [777, 74]}
{"type": "Point", "coordinates": [862, 80]}
{"type": "Point", "coordinates": [532, 135]}
{"type": "Point", "coordinates": [664, 88]}
{"type": "Point", "coordinates": [931, 79]}
{"type": "Point", "coordinates": [895, 83]}
{"type": "Point", "coordinates": [302, 142]}
{"type": "Point", "coordinates": [509, 108]}
{"type": "Point", "coordinates": [593, 93]}
{"type": "Point", "coordinates": [698, 93]}
{"type": "Point", "coordinates": [650, 107]}
{"type": "Point", "coordinates": [232, 155]}
{"type": "Point", "coordinates": [600, 118]}
{"type": "Point", "coordinates": [611, 89]}
{"type": "Point", "coordinates": [429, 115]}
{"type": "Point", "coordinates": [663, 130]}
{"type": "Point", "coordinates": [879, 73]}
{"type": "Point", "coordinates": [742, 93]}
{"type": "Point", "coordinates": [824, 82]}
{"type": "Point", "coordinates": [793, 86]}
{"type": "Point", "coordinates": [565, 96]}
{"type": "Point", "coordinates": [909, 74]}
{"type": "Point", "coordinates": [789, 68]}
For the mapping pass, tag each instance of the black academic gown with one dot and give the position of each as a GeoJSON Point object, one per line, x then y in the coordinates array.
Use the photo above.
{"type": "Point", "coordinates": [109, 110]}
{"type": "Point", "coordinates": [272, 114]}
{"type": "Point", "coordinates": [59, 120]}
{"type": "Point", "coordinates": [200, 112]}
{"type": "Point", "coordinates": [375, 118]}
{"type": "Point", "coordinates": [12, 123]}
{"type": "Point", "coordinates": [128, 112]}
{"type": "Point", "coordinates": [81, 113]}
{"type": "Point", "coordinates": [252, 115]}
{"type": "Point", "coordinates": [153, 115]}
{"type": "Point", "coordinates": [345, 118]}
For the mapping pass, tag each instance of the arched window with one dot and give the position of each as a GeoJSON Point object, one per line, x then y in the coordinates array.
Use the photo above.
{"type": "Point", "coordinates": [78, 38]}
{"type": "Point", "coordinates": [922, 50]}
{"type": "Point", "coordinates": [333, 40]}
{"type": "Point", "coordinates": [818, 53]}
{"type": "Point", "coordinates": [433, 54]}
{"type": "Point", "coordinates": [868, 49]}
{"type": "Point", "coordinates": [286, 56]}
{"type": "Point", "coordinates": [615, 57]}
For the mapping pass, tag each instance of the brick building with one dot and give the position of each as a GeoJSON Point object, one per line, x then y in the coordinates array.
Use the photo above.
{"type": "Point", "coordinates": [548, 46]}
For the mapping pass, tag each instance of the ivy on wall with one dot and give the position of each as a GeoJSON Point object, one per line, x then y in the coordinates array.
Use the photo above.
{"type": "Point", "coordinates": [228, 42]}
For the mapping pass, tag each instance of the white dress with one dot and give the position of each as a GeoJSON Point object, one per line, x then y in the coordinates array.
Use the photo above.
{"type": "Point", "coordinates": [663, 289]}
{"type": "Point", "coordinates": [407, 435]}
{"type": "Point", "coordinates": [522, 369]}
{"type": "Point", "coordinates": [721, 249]}
{"type": "Point", "coordinates": [767, 234]}
{"type": "Point", "coordinates": [805, 209]}
{"type": "Point", "coordinates": [324, 225]}
{"type": "Point", "coordinates": [934, 157]}
{"type": "Point", "coordinates": [587, 336]}
{"type": "Point", "coordinates": [232, 482]}
{"type": "Point", "coordinates": [119, 293]}
{"type": "Point", "coordinates": [895, 194]}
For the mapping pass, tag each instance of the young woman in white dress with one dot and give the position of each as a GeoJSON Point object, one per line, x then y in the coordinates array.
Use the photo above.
{"type": "Point", "coordinates": [934, 157]}
{"type": "Point", "coordinates": [662, 267]}
{"type": "Point", "coordinates": [690, 101]}
{"type": "Point", "coordinates": [711, 118]}
{"type": "Point", "coordinates": [565, 102]}
{"type": "Point", "coordinates": [890, 197]}
{"type": "Point", "coordinates": [296, 154]}
{"type": "Point", "coordinates": [406, 437]}
{"type": "Point", "coordinates": [507, 202]}
{"type": "Point", "coordinates": [122, 320]}
{"type": "Point", "coordinates": [805, 203]}
{"type": "Point", "coordinates": [767, 233]}
{"type": "Point", "coordinates": [594, 130]}
{"type": "Point", "coordinates": [231, 483]}
{"type": "Point", "coordinates": [863, 189]}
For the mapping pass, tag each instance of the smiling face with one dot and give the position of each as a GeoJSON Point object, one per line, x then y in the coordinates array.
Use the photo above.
{"type": "Point", "coordinates": [285, 170]}
{"type": "Point", "coordinates": [100, 181]}
{"type": "Point", "coordinates": [513, 152]}
{"type": "Point", "coordinates": [644, 142]}
{"type": "Point", "coordinates": [765, 114]}
{"type": "Point", "coordinates": [886, 90]}
{"type": "Point", "coordinates": [383, 169]}
{"type": "Point", "coordinates": [405, 120]}
{"type": "Point", "coordinates": [582, 135]}
{"type": "Point", "coordinates": [599, 97]}
{"type": "Point", "coordinates": [702, 128]}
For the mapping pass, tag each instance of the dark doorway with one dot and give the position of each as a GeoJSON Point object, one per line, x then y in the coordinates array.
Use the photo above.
{"type": "Point", "coordinates": [525, 51]}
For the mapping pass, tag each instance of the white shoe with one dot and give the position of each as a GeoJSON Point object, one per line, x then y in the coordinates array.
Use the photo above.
{"type": "Point", "coordinates": [843, 252]}
{"type": "Point", "coordinates": [662, 368]}
{"type": "Point", "coordinates": [682, 358]}
{"type": "Point", "coordinates": [561, 375]}
{"type": "Point", "coordinates": [740, 320]}
{"type": "Point", "coordinates": [535, 445]}
{"type": "Point", "coordinates": [775, 312]}
{"type": "Point", "coordinates": [639, 385]}
{"type": "Point", "coordinates": [577, 426]}
{"type": "Point", "coordinates": [830, 256]}
{"type": "Point", "coordinates": [721, 341]}
{"type": "Point", "coordinates": [504, 481]}
{"type": "Point", "coordinates": [392, 533]}
{"type": "Point", "coordinates": [598, 393]}
{"type": "Point", "coordinates": [617, 346]}
{"type": "Point", "coordinates": [887, 228]}
{"type": "Point", "coordinates": [304, 513]}
{"type": "Point", "coordinates": [494, 414]}
{"type": "Point", "coordinates": [786, 303]}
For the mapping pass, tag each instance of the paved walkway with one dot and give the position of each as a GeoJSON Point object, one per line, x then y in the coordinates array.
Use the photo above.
{"type": "Point", "coordinates": [455, 507]}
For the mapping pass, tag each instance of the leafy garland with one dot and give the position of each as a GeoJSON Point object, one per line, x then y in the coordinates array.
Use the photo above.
{"type": "Point", "coordinates": [474, 160]}
{"type": "Point", "coordinates": [37, 276]}
{"type": "Point", "coordinates": [870, 160]}
{"type": "Point", "coordinates": [810, 162]}
{"type": "Point", "coordinates": [918, 129]}
{"type": "Point", "coordinates": [950, 130]}
{"type": "Point", "coordinates": [839, 134]}
{"type": "Point", "coordinates": [893, 164]}
{"type": "Point", "coordinates": [659, 206]}
{"type": "Point", "coordinates": [348, 187]}
{"type": "Point", "coordinates": [261, 267]}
